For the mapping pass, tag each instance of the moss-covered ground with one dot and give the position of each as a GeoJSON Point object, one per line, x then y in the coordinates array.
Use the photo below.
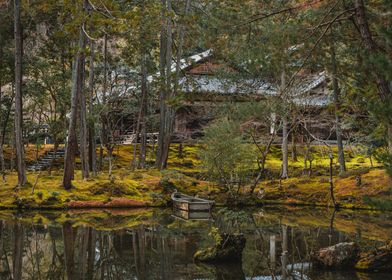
{"type": "Point", "coordinates": [152, 187]}
{"type": "Point", "coordinates": [375, 189]}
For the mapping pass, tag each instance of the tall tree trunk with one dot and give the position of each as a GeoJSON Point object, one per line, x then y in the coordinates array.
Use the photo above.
{"type": "Point", "coordinates": [384, 90]}
{"type": "Point", "coordinates": [71, 144]}
{"type": "Point", "coordinates": [168, 80]}
{"type": "Point", "coordinates": [294, 156]}
{"type": "Point", "coordinates": [181, 35]}
{"type": "Point", "coordinates": [163, 93]}
{"type": "Point", "coordinates": [83, 117]}
{"type": "Point", "coordinates": [389, 128]}
{"type": "Point", "coordinates": [285, 130]}
{"type": "Point", "coordinates": [103, 113]}
{"type": "Point", "coordinates": [110, 156]}
{"type": "Point", "coordinates": [22, 178]}
{"type": "Point", "coordinates": [3, 135]}
{"type": "Point", "coordinates": [2, 162]}
{"type": "Point", "coordinates": [142, 121]}
{"type": "Point", "coordinates": [167, 113]}
{"type": "Point", "coordinates": [141, 129]}
{"type": "Point", "coordinates": [12, 156]}
{"type": "Point", "coordinates": [91, 127]}
{"type": "Point", "coordinates": [143, 113]}
{"type": "Point", "coordinates": [169, 117]}
{"type": "Point", "coordinates": [100, 160]}
{"type": "Point", "coordinates": [336, 100]}
{"type": "Point", "coordinates": [285, 148]}
{"type": "Point", "coordinates": [180, 49]}
{"type": "Point", "coordinates": [37, 145]}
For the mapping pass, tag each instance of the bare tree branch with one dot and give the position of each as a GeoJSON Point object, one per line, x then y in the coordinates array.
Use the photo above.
{"type": "Point", "coordinates": [315, 45]}
{"type": "Point", "coordinates": [262, 16]}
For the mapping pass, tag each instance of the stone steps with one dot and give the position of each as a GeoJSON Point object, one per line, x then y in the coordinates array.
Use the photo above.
{"type": "Point", "coordinates": [129, 138]}
{"type": "Point", "coordinates": [46, 160]}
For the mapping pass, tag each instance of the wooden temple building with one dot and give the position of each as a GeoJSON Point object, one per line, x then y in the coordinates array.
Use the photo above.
{"type": "Point", "coordinates": [207, 83]}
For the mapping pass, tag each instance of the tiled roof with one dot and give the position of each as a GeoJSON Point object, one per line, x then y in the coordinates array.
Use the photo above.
{"type": "Point", "coordinates": [301, 93]}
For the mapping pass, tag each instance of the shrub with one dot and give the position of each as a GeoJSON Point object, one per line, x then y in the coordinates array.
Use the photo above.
{"type": "Point", "coordinates": [378, 203]}
{"type": "Point", "coordinates": [55, 194]}
{"type": "Point", "coordinates": [39, 195]}
{"type": "Point", "coordinates": [225, 157]}
{"type": "Point", "coordinates": [353, 172]}
{"type": "Point", "coordinates": [167, 185]}
{"type": "Point", "coordinates": [386, 160]}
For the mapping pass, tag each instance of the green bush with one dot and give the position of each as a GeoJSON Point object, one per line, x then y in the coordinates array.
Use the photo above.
{"type": "Point", "coordinates": [354, 172]}
{"type": "Point", "coordinates": [167, 185]}
{"type": "Point", "coordinates": [225, 157]}
{"type": "Point", "coordinates": [386, 159]}
{"type": "Point", "coordinates": [378, 203]}
{"type": "Point", "coordinates": [39, 195]}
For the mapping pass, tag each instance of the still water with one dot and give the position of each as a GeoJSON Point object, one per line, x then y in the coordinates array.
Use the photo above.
{"type": "Point", "coordinates": [154, 244]}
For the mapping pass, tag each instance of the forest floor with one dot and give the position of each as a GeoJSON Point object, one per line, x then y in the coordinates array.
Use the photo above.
{"type": "Point", "coordinates": [151, 187]}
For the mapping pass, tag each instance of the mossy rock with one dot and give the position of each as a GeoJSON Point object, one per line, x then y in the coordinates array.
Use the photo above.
{"type": "Point", "coordinates": [51, 200]}
{"type": "Point", "coordinates": [113, 189]}
{"type": "Point", "coordinates": [25, 202]}
{"type": "Point", "coordinates": [340, 256]}
{"type": "Point", "coordinates": [39, 195]}
{"type": "Point", "coordinates": [376, 260]}
{"type": "Point", "coordinates": [228, 249]}
{"type": "Point", "coordinates": [205, 255]}
{"type": "Point", "coordinates": [167, 185]}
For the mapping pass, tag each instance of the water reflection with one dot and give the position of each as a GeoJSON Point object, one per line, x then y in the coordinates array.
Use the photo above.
{"type": "Point", "coordinates": [154, 245]}
{"type": "Point", "coordinates": [195, 216]}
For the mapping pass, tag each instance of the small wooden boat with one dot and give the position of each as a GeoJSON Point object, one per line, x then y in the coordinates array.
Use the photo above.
{"type": "Point", "coordinates": [190, 203]}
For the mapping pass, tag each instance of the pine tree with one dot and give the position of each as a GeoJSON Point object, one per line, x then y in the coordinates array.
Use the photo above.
{"type": "Point", "coordinates": [20, 160]}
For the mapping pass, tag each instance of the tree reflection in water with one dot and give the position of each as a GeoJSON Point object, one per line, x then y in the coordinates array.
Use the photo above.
{"type": "Point", "coordinates": [160, 247]}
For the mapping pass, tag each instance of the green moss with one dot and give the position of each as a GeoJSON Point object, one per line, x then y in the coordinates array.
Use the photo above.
{"type": "Point", "coordinates": [205, 254]}
{"type": "Point", "coordinates": [186, 175]}
{"type": "Point", "coordinates": [362, 265]}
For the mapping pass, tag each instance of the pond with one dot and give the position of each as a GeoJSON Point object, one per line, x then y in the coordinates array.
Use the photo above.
{"type": "Point", "coordinates": [154, 244]}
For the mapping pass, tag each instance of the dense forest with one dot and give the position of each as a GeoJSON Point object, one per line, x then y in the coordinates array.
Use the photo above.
{"type": "Point", "coordinates": [196, 139]}
{"type": "Point", "coordinates": [235, 93]}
